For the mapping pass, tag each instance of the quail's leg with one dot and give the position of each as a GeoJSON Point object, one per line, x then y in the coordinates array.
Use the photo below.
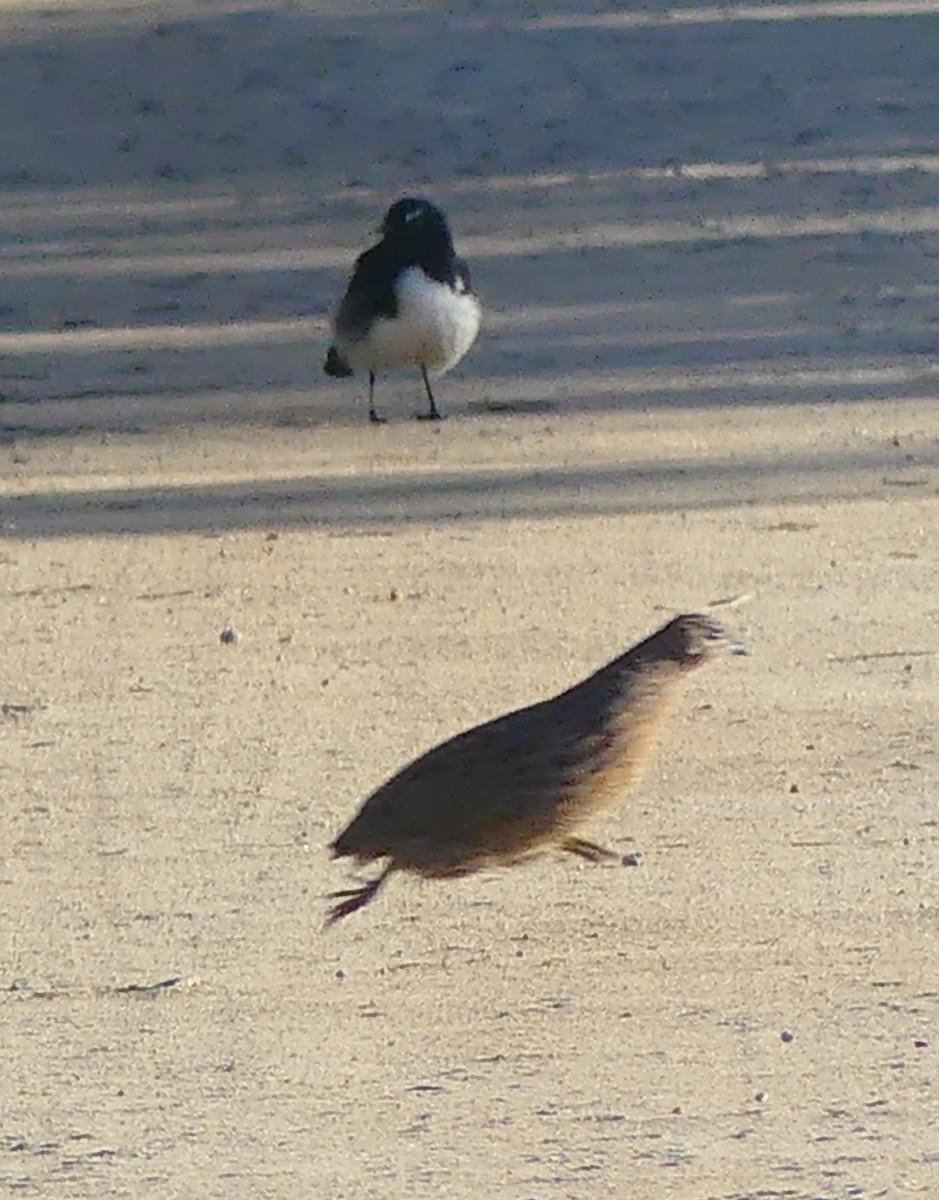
{"type": "Point", "coordinates": [588, 850]}
{"type": "Point", "coordinates": [434, 414]}
{"type": "Point", "coordinates": [356, 897]}
{"type": "Point", "coordinates": [372, 410]}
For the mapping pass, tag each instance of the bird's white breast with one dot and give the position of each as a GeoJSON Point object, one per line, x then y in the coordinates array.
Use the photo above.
{"type": "Point", "coordinates": [435, 326]}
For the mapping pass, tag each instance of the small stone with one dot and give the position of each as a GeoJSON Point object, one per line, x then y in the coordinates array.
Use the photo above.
{"type": "Point", "coordinates": [786, 1036]}
{"type": "Point", "coordinates": [760, 1097]}
{"type": "Point", "coordinates": [229, 637]}
{"type": "Point", "coordinates": [793, 789]}
{"type": "Point", "coordinates": [394, 594]}
{"type": "Point", "coordinates": [634, 859]}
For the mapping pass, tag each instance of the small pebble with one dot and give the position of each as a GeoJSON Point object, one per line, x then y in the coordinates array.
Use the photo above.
{"type": "Point", "coordinates": [229, 637]}
{"type": "Point", "coordinates": [632, 860]}
{"type": "Point", "coordinates": [786, 1036]}
{"type": "Point", "coordinates": [760, 1097]}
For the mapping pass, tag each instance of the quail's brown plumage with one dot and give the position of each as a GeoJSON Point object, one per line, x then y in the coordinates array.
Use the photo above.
{"type": "Point", "coordinates": [525, 782]}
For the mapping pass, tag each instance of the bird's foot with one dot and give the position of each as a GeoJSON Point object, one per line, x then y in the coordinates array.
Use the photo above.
{"type": "Point", "coordinates": [588, 850]}
{"type": "Point", "coordinates": [355, 897]}
{"type": "Point", "coordinates": [376, 419]}
{"type": "Point", "coordinates": [434, 415]}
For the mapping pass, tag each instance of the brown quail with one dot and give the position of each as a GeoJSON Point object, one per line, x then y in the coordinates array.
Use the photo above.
{"type": "Point", "coordinates": [524, 783]}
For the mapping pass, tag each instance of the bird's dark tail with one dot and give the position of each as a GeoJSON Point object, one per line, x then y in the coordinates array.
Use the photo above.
{"type": "Point", "coordinates": [336, 365]}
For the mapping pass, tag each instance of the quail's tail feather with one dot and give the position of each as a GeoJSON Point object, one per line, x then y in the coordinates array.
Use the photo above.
{"type": "Point", "coordinates": [336, 365]}
{"type": "Point", "coordinates": [345, 846]}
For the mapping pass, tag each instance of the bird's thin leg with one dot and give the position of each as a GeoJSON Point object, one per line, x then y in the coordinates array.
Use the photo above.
{"type": "Point", "coordinates": [588, 850]}
{"type": "Point", "coordinates": [372, 410]}
{"type": "Point", "coordinates": [356, 897]}
{"type": "Point", "coordinates": [434, 414]}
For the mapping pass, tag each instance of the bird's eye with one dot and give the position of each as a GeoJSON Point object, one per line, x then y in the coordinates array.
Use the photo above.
{"type": "Point", "coordinates": [412, 214]}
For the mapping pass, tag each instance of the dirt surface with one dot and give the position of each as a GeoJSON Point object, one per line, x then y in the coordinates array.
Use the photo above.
{"type": "Point", "coordinates": [706, 239]}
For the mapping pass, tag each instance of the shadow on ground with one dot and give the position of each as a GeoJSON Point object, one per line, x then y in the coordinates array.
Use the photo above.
{"type": "Point", "coordinates": [368, 504]}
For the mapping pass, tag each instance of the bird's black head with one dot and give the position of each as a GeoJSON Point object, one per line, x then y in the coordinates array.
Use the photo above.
{"type": "Point", "coordinates": [413, 219]}
{"type": "Point", "coordinates": [693, 639]}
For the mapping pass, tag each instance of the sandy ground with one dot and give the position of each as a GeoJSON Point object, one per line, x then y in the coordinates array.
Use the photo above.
{"type": "Point", "coordinates": [707, 242]}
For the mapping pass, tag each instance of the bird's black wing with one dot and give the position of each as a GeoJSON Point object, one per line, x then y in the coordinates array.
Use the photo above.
{"type": "Point", "coordinates": [370, 294]}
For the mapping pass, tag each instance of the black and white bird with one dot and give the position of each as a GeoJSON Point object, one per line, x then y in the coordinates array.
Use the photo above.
{"type": "Point", "coordinates": [409, 303]}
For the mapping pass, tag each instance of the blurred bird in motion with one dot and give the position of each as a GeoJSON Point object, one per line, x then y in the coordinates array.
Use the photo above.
{"type": "Point", "coordinates": [526, 782]}
{"type": "Point", "coordinates": [409, 303]}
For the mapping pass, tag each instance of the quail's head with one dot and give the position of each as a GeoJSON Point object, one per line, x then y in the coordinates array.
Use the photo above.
{"type": "Point", "coordinates": [693, 639]}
